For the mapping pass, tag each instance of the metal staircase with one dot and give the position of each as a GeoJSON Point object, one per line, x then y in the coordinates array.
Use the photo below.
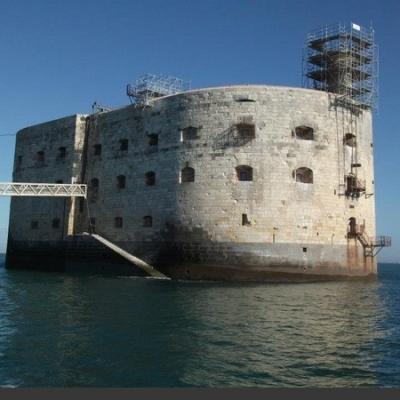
{"type": "Point", "coordinates": [372, 246]}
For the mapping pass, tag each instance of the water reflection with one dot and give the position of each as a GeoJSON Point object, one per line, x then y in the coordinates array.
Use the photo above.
{"type": "Point", "coordinates": [309, 335]}
{"type": "Point", "coordinates": [66, 330]}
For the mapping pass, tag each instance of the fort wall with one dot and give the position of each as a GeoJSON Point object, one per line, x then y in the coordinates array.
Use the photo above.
{"type": "Point", "coordinates": [210, 178]}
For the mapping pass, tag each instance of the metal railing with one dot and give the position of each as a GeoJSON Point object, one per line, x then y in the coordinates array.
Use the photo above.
{"type": "Point", "coordinates": [381, 241]}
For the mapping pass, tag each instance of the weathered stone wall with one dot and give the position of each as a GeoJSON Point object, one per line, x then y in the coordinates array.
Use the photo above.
{"type": "Point", "coordinates": [48, 137]}
{"type": "Point", "coordinates": [209, 210]}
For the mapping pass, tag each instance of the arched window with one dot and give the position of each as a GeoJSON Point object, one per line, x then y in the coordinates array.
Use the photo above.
{"type": "Point", "coordinates": [187, 175]}
{"type": "Point", "coordinates": [349, 140]}
{"type": "Point", "coordinates": [352, 228]}
{"type": "Point", "coordinates": [244, 173]}
{"type": "Point", "coordinates": [121, 181]}
{"type": "Point", "coordinates": [304, 132]}
{"type": "Point", "coordinates": [303, 175]}
{"type": "Point", "coordinates": [148, 221]}
{"type": "Point", "coordinates": [150, 178]}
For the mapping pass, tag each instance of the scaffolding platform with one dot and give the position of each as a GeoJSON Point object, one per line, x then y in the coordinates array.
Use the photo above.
{"type": "Point", "coordinates": [150, 86]}
{"type": "Point", "coordinates": [342, 59]}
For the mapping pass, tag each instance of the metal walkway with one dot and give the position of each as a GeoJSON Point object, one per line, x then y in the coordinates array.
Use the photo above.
{"type": "Point", "coordinates": [147, 268]}
{"type": "Point", "coordinates": [43, 189]}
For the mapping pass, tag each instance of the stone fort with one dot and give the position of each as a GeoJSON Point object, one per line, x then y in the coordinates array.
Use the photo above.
{"type": "Point", "coordinates": [244, 182]}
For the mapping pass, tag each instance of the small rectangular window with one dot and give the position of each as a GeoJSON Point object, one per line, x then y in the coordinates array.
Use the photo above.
{"type": "Point", "coordinates": [121, 181]}
{"type": "Point", "coordinates": [123, 144]}
{"type": "Point", "coordinates": [150, 178]}
{"type": "Point", "coordinates": [40, 156]}
{"type": "Point", "coordinates": [245, 220]}
{"type": "Point", "coordinates": [19, 161]}
{"type": "Point", "coordinates": [81, 204]}
{"type": "Point", "coordinates": [148, 221]}
{"type": "Point", "coordinates": [189, 133]}
{"type": "Point", "coordinates": [246, 131]}
{"type": "Point", "coordinates": [55, 223]}
{"type": "Point", "coordinates": [153, 139]}
{"type": "Point", "coordinates": [118, 222]}
{"type": "Point", "coordinates": [97, 149]}
{"type": "Point", "coordinates": [35, 224]}
{"type": "Point", "coordinates": [62, 153]}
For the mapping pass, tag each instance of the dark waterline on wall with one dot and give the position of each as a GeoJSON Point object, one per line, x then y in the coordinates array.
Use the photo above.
{"type": "Point", "coordinates": [61, 330]}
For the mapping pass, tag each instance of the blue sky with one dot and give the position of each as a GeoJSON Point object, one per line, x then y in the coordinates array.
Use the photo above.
{"type": "Point", "coordinates": [58, 57]}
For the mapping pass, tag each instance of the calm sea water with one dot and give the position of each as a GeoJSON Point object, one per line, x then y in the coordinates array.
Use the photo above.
{"type": "Point", "coordinates": [85, 331]}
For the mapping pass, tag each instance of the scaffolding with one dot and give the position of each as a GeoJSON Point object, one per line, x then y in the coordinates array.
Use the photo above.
{"type": "Point", "coordinates": [343, 59]}
{"type": "Point", "coordinates": [150, 86]}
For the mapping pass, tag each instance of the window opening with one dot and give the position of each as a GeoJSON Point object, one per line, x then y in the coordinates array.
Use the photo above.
{"type": "Point", "coordinates": [245, 220]}
{"type": "Point", "coordinates": [304, 175]}
{"type": "Point", "coordinates": [244, 173]}
{"type": "Point", "coordinates": [97, 149]}
{"type": "Point", "coordinates": [153, 139]}
{"type": "Point", "coordinates": [62, 153]}
{"type": "Point", "coordinates": [246, 131]}
{"type": "Point", "coordinates": [35, 224]}
{"type": "Point", "coordinates": [189, 133]}
{"type": "Point", "coordinates": [150, 178]}
{"type": "Point", "coordinates": [121, 181]}
{"type": "Point", "coordinates": [350, 140]}
{"type": "Point", "coordinates": [187, 175]}
{"type": "Point", "coordinates": [304, 132]}
{"type": "Point", "coordinates": [118, 222]}
{"type": "Point", "coordinates": [123, 144]}
{"type": "Point", "coordinates": [40, 156]}
{"type": "Point", "coordinates": [148, 221]}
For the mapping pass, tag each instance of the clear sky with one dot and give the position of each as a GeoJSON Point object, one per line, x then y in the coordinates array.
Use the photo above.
{"type": "Point", "coordinates": [58, 57]}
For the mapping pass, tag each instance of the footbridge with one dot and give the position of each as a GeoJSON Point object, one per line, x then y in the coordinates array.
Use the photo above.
{"type": "Point", "coordinates": [73, 190]}
{"type": "Point", "coordinates": [30, 189]}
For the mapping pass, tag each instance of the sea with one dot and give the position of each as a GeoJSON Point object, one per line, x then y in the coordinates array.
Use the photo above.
{"type": "Point", "coordinates": [74, 330]}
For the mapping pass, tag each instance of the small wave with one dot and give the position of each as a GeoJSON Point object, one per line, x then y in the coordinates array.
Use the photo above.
{"type": "Point", "coordinates": [158, 278]}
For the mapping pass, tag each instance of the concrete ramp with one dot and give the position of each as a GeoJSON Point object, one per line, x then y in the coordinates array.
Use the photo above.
{"type": "Point", "coordinates": [147, 268]}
